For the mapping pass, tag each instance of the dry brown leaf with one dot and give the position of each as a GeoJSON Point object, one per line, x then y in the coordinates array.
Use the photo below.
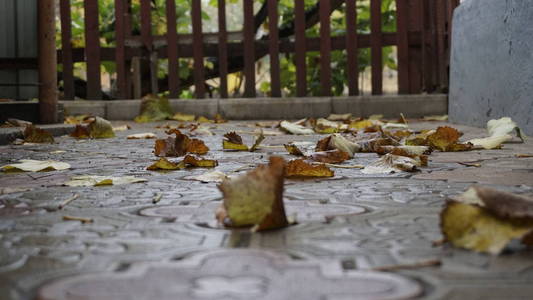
{"type": "Point", "coordinates": [447, 139]}
{"type": "Point", "coordinates": [255, 199]}
{"type": "Point", "coordinates": [193, 161]}
{"type": "Point", "coordinates": [293, 149]}
{"type": "Point", "coordinates": [80, 132]}
{"type": "Point", "coordinates": [487, 220]}
{"type": "Point", "coordinates": [179, 146]}
{"type": "Point", "coordinates": [100, 128]}
{"type": "Point", "coordinates": [521, 155]}
{"type": "Point", "coordinates": [257, 142]}
{"type": "Point", "coordinates": [299, 168]}
{"type": "Point", "coordinates": [323, 144]}
{"type": "Point", "coordinates": [183, 117]}
{"type": "Point", "coordinates": [34, 134]}
{"type": "Point", "coordinates": [165, 164]}
{"type": "Point", "coordinates": [233, 141]}
{"type": "Point", "coordinates": [390, 163]}
{"type": "Point", "coordinates": [220, 119]}
{"type": "Point", "coordinates": [331, 157]}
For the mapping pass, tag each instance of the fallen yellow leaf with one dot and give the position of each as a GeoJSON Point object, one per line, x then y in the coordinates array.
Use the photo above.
{"type": "Point", "coordinates": [255, 199]}
{"type": "Point", "coordinates": [299, 168]}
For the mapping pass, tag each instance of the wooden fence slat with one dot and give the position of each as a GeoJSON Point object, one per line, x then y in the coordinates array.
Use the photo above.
{"type": "Point", "coordinates": [351, 48]}
{"type": "Point", "coordinates": [198, 48]}
{"type": "Point", "coordinates": [376, 50]}
{"type": "Point", "coordinates": [146, 36]}
{"type": "Point", "coordinates": [300, 49]}
{"type": "Point", "coordinates": [120, 50]}
{"type": "Point", "coordinates": [440, 20]}
{"type": "Point", "coordinates": [172, 49]}
{"type": "Point", "coordinates": [249, 49]}
{"type": "Point", "coordinates": [222, 49]}
{"type": "Point", "coordinates": [66, 45]}
{"type": "Point", "coordinates": [275, 85]}
{"type": "Point", "coordinates": [127, 33]}
{"type": "Point", "coordinates": [402, 18]}
{"type": "Point", "coordinates": [416, 51]}
{"type": "Point", "coordinates": [325, 48]}
{"type": "Point", "coordinates": [92, 50]}
{"type": "Point", "coordinates": [429, 46]}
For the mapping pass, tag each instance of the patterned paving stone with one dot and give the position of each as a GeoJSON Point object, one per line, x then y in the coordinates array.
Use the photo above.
{"type": "Point", "coordinates": [242, 274]}
{"type": "Point", "coordinates": [381, 220]}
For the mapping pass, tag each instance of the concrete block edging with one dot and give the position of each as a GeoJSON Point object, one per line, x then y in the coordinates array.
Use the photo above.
{"type": "Point", "coordinates": [412, 106]}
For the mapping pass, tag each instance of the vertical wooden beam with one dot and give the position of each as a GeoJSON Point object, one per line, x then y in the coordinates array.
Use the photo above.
{"type": "Point", "coordinates": [429, 47]}
{"type": "Point", "coordinates": [376, 50]}
{"type": "Point", "coordinates": [147, 39]}
{"type": "Point", "coordinates": [222, 49]}
{"type": "Point", "coordinates": [402, 33]}
{"type": "Point", "coordinates": [127, 33]}
{"type": "Point", "coordinates": [172, 49]}
{"type": "Point", "coordinates": [66, 50]}
{"type": "Point", "coordinates": [300, 45]}
{"type": "Point", "coordinates": [249, 49]}
{"type": "Point", "coordinates": [351, 48]}
{"type": "Point", "coordinates": [440, 20]}
{"type": "Point", "coordinates": [120, 50]}
{"type": "Point", "coordinates": [198, 48]}
{"type": "Point", "coordinates": [47, 62]}
{"type": "Point", "coordinates": [273, 44]}
{"type": "Point", "coordinates": [325, 48]}
{"type": "Point", "coordinates": [416, 57]}
{"type": "Point", "coordinates": [92, 50]}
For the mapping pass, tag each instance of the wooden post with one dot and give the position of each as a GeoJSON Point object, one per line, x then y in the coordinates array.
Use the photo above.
{"type": "Point", "coordinates": [47, 62]}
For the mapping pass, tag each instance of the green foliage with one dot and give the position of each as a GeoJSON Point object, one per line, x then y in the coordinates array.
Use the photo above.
{"type": "Point", "coordinates": [286, 12]}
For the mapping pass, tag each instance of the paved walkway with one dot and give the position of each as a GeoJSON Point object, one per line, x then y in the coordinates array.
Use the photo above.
{"type": "Point", "coordinates": [135, 249]}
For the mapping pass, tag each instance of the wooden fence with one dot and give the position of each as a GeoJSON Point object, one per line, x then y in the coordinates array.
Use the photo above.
{"type": "Point", "coordinates": [422, 40]}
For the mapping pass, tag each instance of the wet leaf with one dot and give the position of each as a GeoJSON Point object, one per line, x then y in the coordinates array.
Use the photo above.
{"type": "Point", "coordinates": [93, 180]}
{"type": "Point", "coordinates": [193, 161]}
{"type": "Point", "coordinates": [214, 176]}
{"type": "Point", "coordinates": [100, 128]}
{"type": "Point", "coordinates": [154, 109]}
{"type": "Point", "coordinates": [294, 128]}
{"type": "Point", "coordinates": [447, 139]}
{"type": "Point", "coordinates": [183, 117]}
{"type": "Point", "coordinates": [34, 134]}
{"type": "Point", "coordinates": [255, 199]}
{"type": "Point", "coordinates": [390, 163]}
{"type": "Point", "coordinates": [332, 156]}
{"type": "Point", "coordinates": [300, 168]}
{"type": "Point", "coordinates": [138, 136]}
{"type": "Point", "coordinates": [165, 164]}
{"type": "Point", "coordinates": [30, 165]}
{"type": "Point", "coordinates": [293, 149]}
{"type": "Point", "coordinates": [487, 220]}
{"type": "Point", "coordinates": [233, 141]}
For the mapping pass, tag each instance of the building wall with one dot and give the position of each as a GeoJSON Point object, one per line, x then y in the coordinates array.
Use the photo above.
{"type": "Point", "coordinates": [18, 38]}
{"type": "Point", "coordinates": [491, 71]}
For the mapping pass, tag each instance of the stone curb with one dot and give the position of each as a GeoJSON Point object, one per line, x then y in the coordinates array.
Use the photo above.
{"type": "Point", "coordinates": [8, 135]}
{"type": "Point", "coordinates": [412, 106]}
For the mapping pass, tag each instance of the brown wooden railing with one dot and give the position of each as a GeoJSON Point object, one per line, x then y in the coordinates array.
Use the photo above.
{"type": "Point", "coordinates": [422, 40]}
